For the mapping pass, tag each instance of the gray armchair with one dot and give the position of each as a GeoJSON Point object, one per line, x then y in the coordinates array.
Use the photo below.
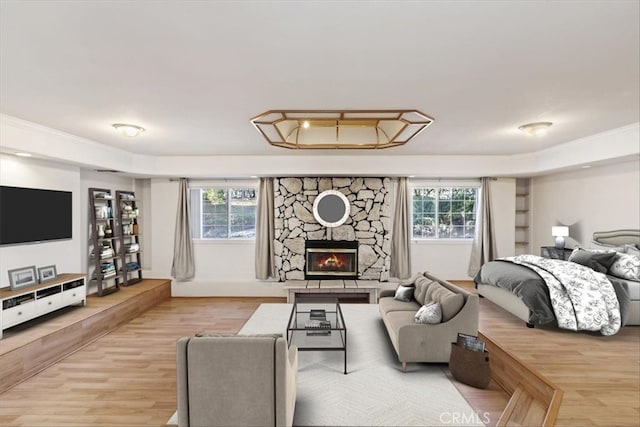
{"type": "Point", "coordinates": [236, 381]}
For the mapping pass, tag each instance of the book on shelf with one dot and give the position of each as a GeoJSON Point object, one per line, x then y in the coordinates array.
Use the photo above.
{"type": "Point", "coordinates": [470, 342]}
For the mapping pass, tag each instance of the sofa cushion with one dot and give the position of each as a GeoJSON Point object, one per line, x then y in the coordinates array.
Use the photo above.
{"type": "Point", "coordinates": [397, 319]}
{"type": "Point", "coordinates": [404, 293]}
{"type": "Point", "coordinates": [451, 302]}
{"type": "Point", "coordinates": [422, 284]}
{"type": "Point", "coordinates": [391, 304]}
{"type": "Point", "coordinates": [429, 314]}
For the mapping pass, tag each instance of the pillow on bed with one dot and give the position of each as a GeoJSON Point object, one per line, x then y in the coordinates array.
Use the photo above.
{"type": "Point", "coordinates": [597, 261]}
{"type": "Point", "coordinates": [632, 250]}
{"type": "Point", "coordinates": [604, 247]}
{"type": "Point", "coordinates": [626, 266]}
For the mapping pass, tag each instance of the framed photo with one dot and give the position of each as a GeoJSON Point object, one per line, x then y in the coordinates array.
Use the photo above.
{"type": "Point", "coordinates": [47, 273]}
{"type": "Point", "coordinates": [22, 277]}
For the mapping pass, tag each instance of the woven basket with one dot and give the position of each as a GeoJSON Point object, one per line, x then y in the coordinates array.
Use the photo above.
{"type": "Point", "coordinates": [470, 367]}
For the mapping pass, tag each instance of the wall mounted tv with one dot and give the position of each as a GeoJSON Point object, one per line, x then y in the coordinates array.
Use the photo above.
{"type": "Point", "coordinates": [33, 215]}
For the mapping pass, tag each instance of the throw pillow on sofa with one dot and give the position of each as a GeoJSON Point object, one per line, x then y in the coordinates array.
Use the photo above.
{"type": "Point", "coordinates": [404, 293]}
{"type": "Point", "coordinates": [429, 314]}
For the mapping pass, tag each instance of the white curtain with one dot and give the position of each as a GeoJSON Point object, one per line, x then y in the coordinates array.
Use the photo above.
{"type": "Point", "coordinates": [183, 267]}
{"type": "Point", "coordinates": [400, 241]}
{"type": "Point", "coordinates": [265, 231]}
{"type": "Point", "coordinates": [484, 242]}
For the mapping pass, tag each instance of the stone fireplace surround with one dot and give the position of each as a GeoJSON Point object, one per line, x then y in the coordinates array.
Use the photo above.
{"type": "Point", "coordinates": [369, 223]}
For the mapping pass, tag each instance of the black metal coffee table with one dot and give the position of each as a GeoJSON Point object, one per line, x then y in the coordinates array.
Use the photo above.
{"type": "Point", "coordinates": [309, 331]}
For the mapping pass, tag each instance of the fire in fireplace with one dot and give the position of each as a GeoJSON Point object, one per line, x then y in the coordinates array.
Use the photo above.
{"type": "Point", "coordinates": [331, 259]}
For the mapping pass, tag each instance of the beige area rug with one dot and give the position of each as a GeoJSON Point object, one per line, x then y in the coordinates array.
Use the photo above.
{"type": "Point", "coordinates": [375, 392]}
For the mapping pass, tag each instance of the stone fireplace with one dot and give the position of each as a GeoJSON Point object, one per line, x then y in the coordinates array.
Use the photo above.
{"type": "Point", "coordinates": [368, 224]}
{"type": "Point", "coordinates": [331, 259]}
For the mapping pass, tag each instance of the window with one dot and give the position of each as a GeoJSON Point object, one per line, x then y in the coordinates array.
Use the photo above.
{"type": "Point", "coordinates": [444, 212]}
{"type": "Point", "coordinates": [223, 213]}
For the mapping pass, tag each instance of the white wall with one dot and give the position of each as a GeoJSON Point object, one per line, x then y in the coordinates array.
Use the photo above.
{"type": "Point", "coordinates": [596, 199]}
{"type": "Point", "coordinates": [66, 255]}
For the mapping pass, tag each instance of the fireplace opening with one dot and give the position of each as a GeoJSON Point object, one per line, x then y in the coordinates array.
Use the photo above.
{"type": "Point", "coordinates": [331, 259]}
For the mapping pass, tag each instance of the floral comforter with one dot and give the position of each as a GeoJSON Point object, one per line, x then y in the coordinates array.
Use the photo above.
{"type": "Point", "coordinates": [582, 299]}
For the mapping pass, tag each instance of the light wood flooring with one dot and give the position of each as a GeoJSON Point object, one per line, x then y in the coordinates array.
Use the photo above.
{"type": "Point", "coordinates": [127, 377]}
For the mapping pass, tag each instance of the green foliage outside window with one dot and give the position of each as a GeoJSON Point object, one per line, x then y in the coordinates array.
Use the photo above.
{"type": "Point", "coordinates": [444, 212]}
{"type": "Point", "coordinates": [226, 213]}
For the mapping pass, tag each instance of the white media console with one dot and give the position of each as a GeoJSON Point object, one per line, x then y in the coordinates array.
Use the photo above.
{"type": "Point", "coordinates": [30, 302]}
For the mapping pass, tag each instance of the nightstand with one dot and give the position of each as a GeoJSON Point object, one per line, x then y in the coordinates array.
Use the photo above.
{"type": "Point", "coordinates": [555, 253]}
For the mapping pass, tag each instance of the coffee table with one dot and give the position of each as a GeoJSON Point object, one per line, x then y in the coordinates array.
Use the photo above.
{"type": "Point", "coordinates": [300, 330]}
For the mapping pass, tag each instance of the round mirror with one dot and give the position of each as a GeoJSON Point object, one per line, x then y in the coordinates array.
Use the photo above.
{"type": "Point", "coordinates": [331, 208]}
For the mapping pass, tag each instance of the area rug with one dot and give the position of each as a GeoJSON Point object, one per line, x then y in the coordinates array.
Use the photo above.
{"type": "Point", "coordinates": [375, 392]}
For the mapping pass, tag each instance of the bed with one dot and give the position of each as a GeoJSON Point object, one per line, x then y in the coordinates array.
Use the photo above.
{"type": "Point", "coordinates": [519, 288]}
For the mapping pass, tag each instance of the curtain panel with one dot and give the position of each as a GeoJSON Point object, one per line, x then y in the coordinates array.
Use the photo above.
{"type": "Point", "coordinates": [183, 267]}
{"type": "Point", "coordinates": [400, 240]}
{"type": "Point", "coordinates": [484, 243]}
{"type": "Point", "coordinates": [265, 231]}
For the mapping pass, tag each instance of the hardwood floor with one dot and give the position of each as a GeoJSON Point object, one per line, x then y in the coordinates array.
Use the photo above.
{"type": "Point", "coordinates": [127, 377]}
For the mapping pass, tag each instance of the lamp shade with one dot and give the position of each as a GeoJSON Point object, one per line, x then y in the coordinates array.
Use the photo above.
{"type": "Point", "coordinates": [560, 231]}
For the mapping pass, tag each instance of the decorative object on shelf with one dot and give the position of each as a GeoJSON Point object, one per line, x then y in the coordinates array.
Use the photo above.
{"type": "Point", "coordinates": [108, 232]}
{"type": "Point", "coordinates": [21, 277]}
{"type": "Point", "coordinates": [101, 230]}
{"type": "Point", "coordinates": [559, 232]}
{"type": "Point", "coordinates": [47, 273]}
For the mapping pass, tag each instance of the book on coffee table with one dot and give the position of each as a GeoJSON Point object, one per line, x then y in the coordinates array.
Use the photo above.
{"type": "Point", "coordinates": [317, 314]}
{"type": "Point", "coordinates": [318, 327]}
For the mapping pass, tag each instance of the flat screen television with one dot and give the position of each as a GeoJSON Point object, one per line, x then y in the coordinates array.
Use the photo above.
{"type": "Point", "coordinates": [34, 215]}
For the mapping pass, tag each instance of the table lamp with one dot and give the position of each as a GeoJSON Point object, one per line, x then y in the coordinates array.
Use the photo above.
{"type": "Point", "coordinates": [560, 232]}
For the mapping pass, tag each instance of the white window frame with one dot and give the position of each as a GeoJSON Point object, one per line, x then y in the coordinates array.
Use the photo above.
{"type": "Point", "coordinates": [421, 184]}
{"type": "Point", "coordinates": [227, 186]}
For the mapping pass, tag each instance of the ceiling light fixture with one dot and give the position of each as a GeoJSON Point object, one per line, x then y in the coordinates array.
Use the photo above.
{"type": "Point", "coordinates": [343, 129]}
{"type": "Point", "coordinates": [536, 129]}
{"type": "Point", "coordinates": [128, 130]}
{"type": "Point", "coordinates": [21, 154]}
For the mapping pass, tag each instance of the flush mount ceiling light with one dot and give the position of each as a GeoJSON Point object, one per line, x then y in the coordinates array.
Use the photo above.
{"type": "Point", "coordinates": [535, 129]}
{"type": "Point", "coordinates": [345, 129]}
{"type": "Point", "coordinates": [128, 130]}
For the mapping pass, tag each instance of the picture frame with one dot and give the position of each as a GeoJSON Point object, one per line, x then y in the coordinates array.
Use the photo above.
{"type": "Point", "coordinates": [23, 277]}
{"type": "Point", "coordinates": [47, 273]}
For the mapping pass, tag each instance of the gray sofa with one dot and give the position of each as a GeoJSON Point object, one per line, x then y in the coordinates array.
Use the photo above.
{"type": "Point", "coordinates": [428, 342]}
{"type": "Point", "coordinates": [236, 381]}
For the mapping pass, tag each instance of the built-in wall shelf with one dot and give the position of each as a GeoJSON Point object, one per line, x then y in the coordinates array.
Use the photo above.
{"type": "Point", "coordinates": [522, 216]}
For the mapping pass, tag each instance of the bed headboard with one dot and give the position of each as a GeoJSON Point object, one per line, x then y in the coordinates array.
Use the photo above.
{"type": "Point", "coordinates": [617, 237]}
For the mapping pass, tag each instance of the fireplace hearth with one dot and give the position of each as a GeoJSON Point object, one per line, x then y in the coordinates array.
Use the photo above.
{"type": "Point", "coordinates": [331, 259]}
